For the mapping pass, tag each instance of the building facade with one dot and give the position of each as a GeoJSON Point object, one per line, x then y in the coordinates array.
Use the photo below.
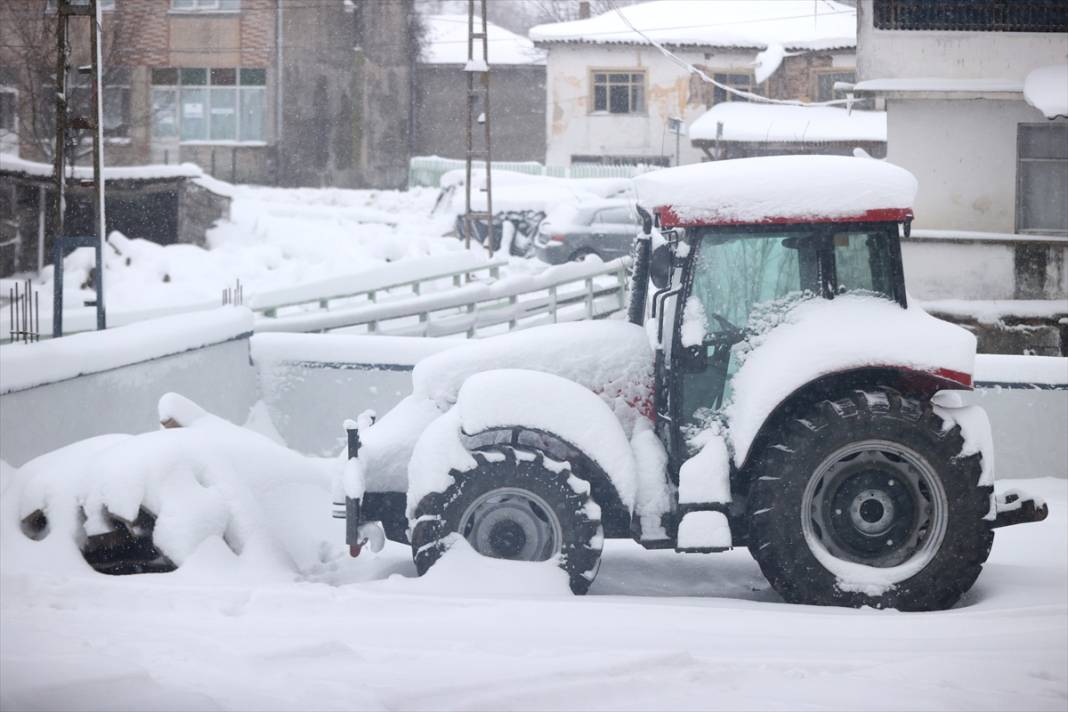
{"type": "Point", "coordinates": [957, 118]}
{"type": "Point", "coordinates": [613, 96]}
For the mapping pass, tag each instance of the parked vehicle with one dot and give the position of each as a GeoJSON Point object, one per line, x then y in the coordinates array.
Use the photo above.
{"type": "Point", "coordinates": [570, 233]}
{"type": "Point", "coordinates": [521, 200]}
{"type": "Point", "coordinates": [792, 402]}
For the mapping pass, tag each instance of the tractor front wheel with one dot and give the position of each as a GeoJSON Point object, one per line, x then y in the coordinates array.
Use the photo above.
{"type": "Point", "coordinates": [517, 504]}
{"type": "Point", "coordinates": [868, 501]}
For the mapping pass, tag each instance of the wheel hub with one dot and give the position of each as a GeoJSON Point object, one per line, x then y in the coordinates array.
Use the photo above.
{"type": "Point", "coordinates": [875, 503]}
{"type": "Point", "coordinates": [512, 523]}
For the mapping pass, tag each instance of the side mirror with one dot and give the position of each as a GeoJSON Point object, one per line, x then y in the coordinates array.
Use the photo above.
{"type": "Point", "coordinates": [660, 266]}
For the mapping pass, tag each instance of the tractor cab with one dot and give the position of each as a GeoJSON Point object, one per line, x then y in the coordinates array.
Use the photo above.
{"type": "Point", "coordinates": [721, 270]}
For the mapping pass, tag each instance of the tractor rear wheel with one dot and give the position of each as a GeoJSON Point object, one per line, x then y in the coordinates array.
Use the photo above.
{"type": "Point", "coordinates": [517, 504]}
{"type": "Point", "coordinates": [868, 501]}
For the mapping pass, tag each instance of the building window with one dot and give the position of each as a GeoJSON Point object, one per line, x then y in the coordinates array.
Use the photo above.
{"type": "Point", "coordinates": [116, 103]}
{"type": "Point", "coordinates": [619, 92]}
{"type": "Point", "coordinates": [205, 5]}
{"type": "Point", "coordinates": [210, 105]}
{"type": "Point", "coordinates": [972, 15]}
{"type": "Point", "coordinates": [8, 109]}
{"type": "Point", "coordinates": [105, 5]}
{"type": "Point", "coordinates": [1042, 178]}
{"type": "Point", "coordinates": [735, 80]}
{"type": "Point", "coordinates": [825, 82]}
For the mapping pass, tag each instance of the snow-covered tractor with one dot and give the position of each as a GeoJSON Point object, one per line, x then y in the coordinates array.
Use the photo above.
{"type": "Point", "coordinates": [771, 388]}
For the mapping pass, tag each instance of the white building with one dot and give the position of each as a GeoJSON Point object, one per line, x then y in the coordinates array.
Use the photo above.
{"type": "Point", "coordinates": [610, 92]}
{"type": "Point", "coordinates": [953, 84]}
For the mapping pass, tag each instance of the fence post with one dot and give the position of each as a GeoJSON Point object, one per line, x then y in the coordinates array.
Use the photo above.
{"type": "Point", "coordinates": [621, 275]}
{"type": "Point", "coordinates": [474, 318]}
{"type": "Point", "coordinates": [552, 301]}
{"type": "Point", "coordinates": [589, 297]}
{"type": "Point", "coordinates": [512, 301]}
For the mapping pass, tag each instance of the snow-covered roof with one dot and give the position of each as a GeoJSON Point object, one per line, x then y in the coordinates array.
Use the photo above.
{"type": "Point", "coordinates": [788, 124]}
{"type": "Point", "coordinates": [446, 43]}
{"type": "Point", "coordinates": [947, 85]}
{"type": "Point", "coordinates": [11, 163]}
{"type": "Point", "coordinates": [778, 189]}
{"type": "Point", "coordinates": [1046, 89]}
{"type": "Point", "coordinates": [15, 164]}
{"type": "Point", "coordinates": [795, 24]}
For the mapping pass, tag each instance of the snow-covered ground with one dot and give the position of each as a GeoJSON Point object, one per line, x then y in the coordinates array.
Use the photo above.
{"type": "Point", "coordinates": [274, 238]}
{"type": "Point", "coordinates": [658, 630]}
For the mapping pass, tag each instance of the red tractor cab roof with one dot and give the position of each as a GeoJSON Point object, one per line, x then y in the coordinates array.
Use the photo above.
{"type": "Point", "coordinates": [778, 190]}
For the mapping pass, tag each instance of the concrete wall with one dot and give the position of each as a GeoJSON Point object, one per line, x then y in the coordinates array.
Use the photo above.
{"type": "Point", "coordinates": [964, 155]}
{"type": "Point", "coordinates": [517, 112]}
{"type": "Point", "coordinates": [124, 400]}
{"type": "Point", "coordinates": [884, 54]}
{"type": "Point", "coordinates": [308, 399]}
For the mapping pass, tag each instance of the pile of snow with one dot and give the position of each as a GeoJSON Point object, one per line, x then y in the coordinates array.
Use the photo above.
{"type": "Point", "coordinates": [794, 24]}
{"type": "Point", "coordinates": [744, 122]}
{"type": "Point", "coordinates": [27, 365]}
{"type": "Point", "coordinates": [274, 238]}
{"type": "Point", "coordinates": [1046, 89]}
{"type": "Point", "coordinates": [801, 188]}
{"type": "Point", "coordinates": [820, 336]}
{"type": "Point", "coordinates": [225, 498]}
{"type": "Point", "coordinates": [947, 85]}
{"type": "Point", "coordinates": [445, 42]}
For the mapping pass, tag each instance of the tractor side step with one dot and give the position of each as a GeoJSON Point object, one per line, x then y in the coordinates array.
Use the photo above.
{"type": "Point", "coordinates": [1016, 507]}
{"type": "Point", "coordinates": [703, 532]}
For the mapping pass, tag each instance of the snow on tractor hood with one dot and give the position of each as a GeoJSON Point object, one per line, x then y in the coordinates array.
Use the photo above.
{"type": "Point", "coordinates": [778, 189]}
{"type": "Point", "coordinates": [816, 337]}
{"type": "Point", "coordinates": [611, 358]}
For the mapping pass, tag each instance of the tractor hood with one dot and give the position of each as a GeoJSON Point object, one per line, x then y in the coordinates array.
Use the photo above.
{"type": "Point", "coordinates": [611, 358]}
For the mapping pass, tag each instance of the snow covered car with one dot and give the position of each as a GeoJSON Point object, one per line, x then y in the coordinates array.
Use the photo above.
{"type": "Point", "coordinates": [604, 228]}
{"type": "Point", "coordinates": [521, 200]}
{"type": "Point", "coordinates": [775, 390]}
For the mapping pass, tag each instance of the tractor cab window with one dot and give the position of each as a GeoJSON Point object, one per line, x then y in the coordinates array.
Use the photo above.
{"type": "Point", "coordinates": [862, 262]}
{"type": "Point", "coordinates": [733, 276]}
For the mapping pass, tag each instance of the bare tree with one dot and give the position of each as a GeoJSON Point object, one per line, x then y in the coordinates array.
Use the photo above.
{"type": "Point", "coordinates": [28, 61]}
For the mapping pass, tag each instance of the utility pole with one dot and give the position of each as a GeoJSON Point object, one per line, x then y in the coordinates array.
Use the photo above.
{"type": "Point", "coordinates": [64, 124]}
{"type": "Point", "coordinates": [478, 94]}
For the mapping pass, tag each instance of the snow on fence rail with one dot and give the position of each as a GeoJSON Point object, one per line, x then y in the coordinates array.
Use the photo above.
{"type": "Point", "coordinates": [458, 266]}
{"type": "Point", "coordinates": [588, 290]}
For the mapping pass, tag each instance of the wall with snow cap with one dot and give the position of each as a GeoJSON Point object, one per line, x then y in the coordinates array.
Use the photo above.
{"type": "Point", "coordinates": [213, 370]}
{"type": "Point", "coordinates": [913, 53]}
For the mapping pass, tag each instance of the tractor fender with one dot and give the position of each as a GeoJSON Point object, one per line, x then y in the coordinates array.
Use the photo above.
{"type": "Point", "coordinates": [908, 381]}
{"type": "Point", "coordinates": [538, 410]}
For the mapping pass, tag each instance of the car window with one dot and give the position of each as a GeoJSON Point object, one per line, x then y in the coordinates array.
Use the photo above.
{"type": "Point", "coordinates": [615, 215]}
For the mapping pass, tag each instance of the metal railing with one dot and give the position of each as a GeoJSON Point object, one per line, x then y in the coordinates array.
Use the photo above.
{"type": "Point", "coordinates": [588, 290]}
{"type": "Point", "coordinates": [427, 170]}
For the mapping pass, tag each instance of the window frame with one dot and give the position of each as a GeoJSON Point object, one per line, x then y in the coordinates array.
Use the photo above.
{"type": "Point", "coordinates": [1020, 159]}
{"type": "Point", "coordinates": [14, 93]}
{"type": "Point", "coordinates": [818, 74]}
{"type": "Point", "coordinates": [753, 86]}
{"type": "Point", "coordinates": [241, 89]}
{"type": "Point", "coordinates": [51, 6]}
{"type": "Point", "coordinates": [205, 7]}
{"type": "Point", "coordinates": [592, 109]}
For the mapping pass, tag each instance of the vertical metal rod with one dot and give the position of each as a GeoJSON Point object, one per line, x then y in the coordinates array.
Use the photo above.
{"type": "Point", "coordinates": [59, 166]}
{"type": "Point", "coordinates": [36, 316]}
{"type": "Point", "coordinates": [11, 309]}
{"type": "Point", "coordinates": [98, 160]}
{"type": "Point", "coordinates": [469, 135]}
{"type": "Point", "coordinates": [42, 206]}
{"type": "Point", "coordinates": [486, 124]}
